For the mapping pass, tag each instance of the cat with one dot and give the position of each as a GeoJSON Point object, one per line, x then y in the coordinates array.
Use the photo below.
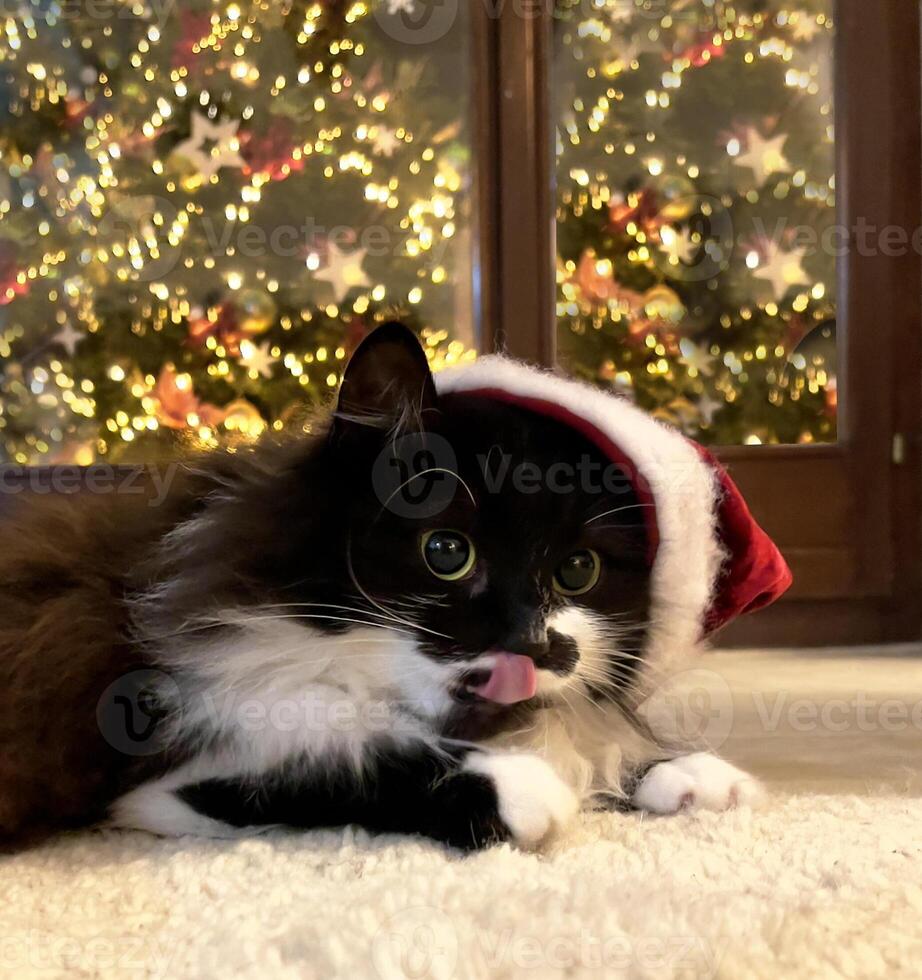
{"type": "Point", "coordinates": [430, 615]}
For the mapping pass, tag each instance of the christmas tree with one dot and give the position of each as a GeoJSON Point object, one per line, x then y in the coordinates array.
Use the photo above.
{"type": "Point", "coordinates": [204, 207]}
{"type": "Point", "coordinates": [695, 168]}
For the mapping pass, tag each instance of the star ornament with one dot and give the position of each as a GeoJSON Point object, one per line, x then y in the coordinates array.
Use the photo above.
{"type": "Point", "coordinates": [68, 338]}
{"type": "Point", "coordinates": [708, 407]}
{"type": "Point", "coordinates": [344, 271]}
{"type": "Point", "coordinates": [805, 28]}
{"type": "Point", "coordinates": [257, 358]}
{"type": "Point", "coordinates": [395, 7]}
{"type": "Point", "coordinates": [764, 157]}
{"type": "Point", "coordinates": [621, 12]}
{"type": "Point", "coordinates": [211, 145]}
{"type": "Point", "coordinates": [697, 357]}
{"type": "Point", "coordinates": [678, 245]}
{"type": "Point", "coordinates": [385, 142]}
{"type": "Point", "coordinates": [783, 270]}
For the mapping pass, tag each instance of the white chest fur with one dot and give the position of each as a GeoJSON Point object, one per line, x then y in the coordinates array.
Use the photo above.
{"type": "Point", "coordinates": [271, 689]}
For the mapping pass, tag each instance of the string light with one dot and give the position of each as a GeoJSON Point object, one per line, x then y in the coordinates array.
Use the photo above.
{"type": "Point", "coordinates": [153, 201]}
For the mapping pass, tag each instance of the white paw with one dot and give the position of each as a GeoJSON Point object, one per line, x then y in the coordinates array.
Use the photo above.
{"type": "Point", "coordinates": [533, 801]}
{"type": "Point", "coordinates": [700, 782]}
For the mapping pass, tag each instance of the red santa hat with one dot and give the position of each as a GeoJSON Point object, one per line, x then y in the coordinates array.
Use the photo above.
{"type": "Point", "coordinates": [710, 561]}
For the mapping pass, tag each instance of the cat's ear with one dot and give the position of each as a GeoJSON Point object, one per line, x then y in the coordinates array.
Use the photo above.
{"type": "Point", "coordinates": [387, 383]}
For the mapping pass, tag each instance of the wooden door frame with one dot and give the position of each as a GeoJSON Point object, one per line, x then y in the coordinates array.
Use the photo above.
{"type": "Point", "coordinates": [515, 153]}
{"type": "Point", "coordinates": [879, 180]}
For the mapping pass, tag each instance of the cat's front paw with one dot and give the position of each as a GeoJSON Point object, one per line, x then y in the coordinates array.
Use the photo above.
{"type": "Point", "coordinates": [533, 802]}
{"type": "Point", "coordinates": [700, 781]}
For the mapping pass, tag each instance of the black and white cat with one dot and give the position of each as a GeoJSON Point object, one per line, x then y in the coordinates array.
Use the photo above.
{"type": "Point", "coordinates": [436, 615]}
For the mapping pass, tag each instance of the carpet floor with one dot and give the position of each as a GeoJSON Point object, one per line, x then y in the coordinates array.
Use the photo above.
{"type": "Point", "coordinates": [808, 887]}
{"type": "Point", "coordinates": [825, 884]}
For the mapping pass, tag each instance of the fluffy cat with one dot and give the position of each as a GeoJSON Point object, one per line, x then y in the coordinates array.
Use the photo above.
{"type": "Point", "coordinates": [344, 628]}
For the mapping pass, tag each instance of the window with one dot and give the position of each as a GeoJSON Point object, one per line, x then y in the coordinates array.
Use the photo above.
{"type": "Point", "coordinates": [696, 212]}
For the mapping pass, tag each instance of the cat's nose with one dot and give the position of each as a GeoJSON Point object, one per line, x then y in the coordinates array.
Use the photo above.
{"type": "Point", "coordinates": [549, 649]}
{"type": "Point", "coordinates": [529, 638]}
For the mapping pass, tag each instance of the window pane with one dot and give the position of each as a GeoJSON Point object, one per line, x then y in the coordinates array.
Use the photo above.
{"type": "Point", "coordinates": [696, 211]}
{"type": "Point", "coordinates": [203, 207]}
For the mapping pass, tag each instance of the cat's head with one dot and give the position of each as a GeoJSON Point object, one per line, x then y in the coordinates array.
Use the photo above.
{"type": "Point", "coordinates": [505, 547]}
{"type": "Point", "coordinates": [479, 543]}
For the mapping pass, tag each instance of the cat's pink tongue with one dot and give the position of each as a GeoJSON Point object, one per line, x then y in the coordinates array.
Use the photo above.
{"type": "Point", "coordinates": [513, 679]}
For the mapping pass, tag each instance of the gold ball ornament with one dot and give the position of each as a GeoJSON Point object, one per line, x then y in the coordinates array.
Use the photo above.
{"type": "Point", "coordinates": [243, 418]}
{"type": "Point", "coordinates": [662, 303]}
{"type": "Point", "coordinates": [256, 311]}
{"type": "Point", "coordinates": [760, 436]}
{"type": "Point", "coordinates": [607, 371]}
{"type": "Point", "coordinates": [677, 197]}
{"type": "Point", "coordinates": [98, 272]}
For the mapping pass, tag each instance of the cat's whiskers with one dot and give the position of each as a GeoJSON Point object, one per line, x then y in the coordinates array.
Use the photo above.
{"type": "Point", "coordinates": [291, 656]}
{"type": "Point", "coordinates": [413, 601]}
{"type": "Point", "coordinates": [616, 510]}
{"type": "Point", "coordinates": [309, 617]}
{"type": "Point", "coordinates": [576, 690]}
{"type": "Point", "coordinates": [388, 613]}
{"type": "Point", "coordinates": [202, 624]}
{"type": "Point", "coordinates": [319, 605]}
{"type": "Point", "coordinates": [426, 472]}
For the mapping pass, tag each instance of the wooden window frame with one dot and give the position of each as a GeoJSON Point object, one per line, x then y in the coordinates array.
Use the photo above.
{"type": "Point", "coordinates": [879, 178]}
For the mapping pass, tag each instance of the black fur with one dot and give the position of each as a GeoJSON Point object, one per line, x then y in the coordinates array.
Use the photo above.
{"type": "Point", "coordinates": [420, 791]}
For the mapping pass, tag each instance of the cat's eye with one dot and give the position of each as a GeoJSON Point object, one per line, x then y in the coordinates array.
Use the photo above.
{"type": "Point", "coordinates": [578, 573]}
{"type": "Point", "coordinates": [449, 555]}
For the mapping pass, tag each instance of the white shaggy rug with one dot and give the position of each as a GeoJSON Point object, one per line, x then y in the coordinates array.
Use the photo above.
{"type": "Point", "coordinates": [806, 887]}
